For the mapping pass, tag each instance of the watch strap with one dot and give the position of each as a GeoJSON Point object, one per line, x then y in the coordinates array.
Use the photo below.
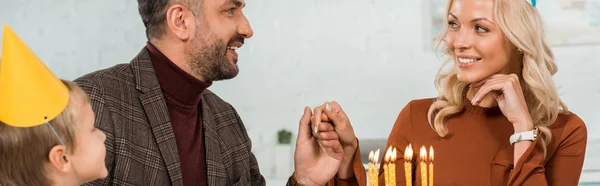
{"type": "Point", "coordinates": [524, 136]}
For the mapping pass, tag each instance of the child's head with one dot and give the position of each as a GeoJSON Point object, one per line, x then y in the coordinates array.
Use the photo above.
{"type": "Point", "coordinates": [34, 155]}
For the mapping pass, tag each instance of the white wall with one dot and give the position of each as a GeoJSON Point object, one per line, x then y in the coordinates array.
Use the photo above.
{"type": "Point", "coordinates": [367, 54]}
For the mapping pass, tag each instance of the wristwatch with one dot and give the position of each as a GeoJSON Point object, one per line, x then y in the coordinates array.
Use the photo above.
{"type": "Point", "coordinates": [524, 136]}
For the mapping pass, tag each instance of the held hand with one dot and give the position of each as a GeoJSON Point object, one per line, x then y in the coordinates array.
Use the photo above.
{"type": "Point", "coordinates": [333, 112]}
{"type": "Point", "coordinates": [316, 160]}
{"type": "Point", "coordinates": [507, 91]}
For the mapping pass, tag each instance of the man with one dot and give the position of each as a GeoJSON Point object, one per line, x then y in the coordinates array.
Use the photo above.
{"type": "Point", "coordinates": [164, 127]}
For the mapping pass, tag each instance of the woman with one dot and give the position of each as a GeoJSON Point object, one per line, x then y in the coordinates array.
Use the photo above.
{"type": "Point", "coordinates": [500, 84]}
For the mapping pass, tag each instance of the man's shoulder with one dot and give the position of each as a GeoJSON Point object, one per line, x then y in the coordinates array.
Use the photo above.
{"type": "Point", "coordinates": [111, 77]}
{"type": "Point", "coordinates": [216, 103]}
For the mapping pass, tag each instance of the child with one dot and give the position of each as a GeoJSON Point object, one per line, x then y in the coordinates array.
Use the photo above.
{"type": "Point", "coordinates": [47, 133]}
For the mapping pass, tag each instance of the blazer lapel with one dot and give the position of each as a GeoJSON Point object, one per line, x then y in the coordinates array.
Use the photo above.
{"type": "Point", "coordinates": [156, 110]}
{"type": "Point", "coordinates": [215, 168]}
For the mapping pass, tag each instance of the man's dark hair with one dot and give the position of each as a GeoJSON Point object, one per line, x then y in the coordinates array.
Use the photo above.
{"type": "Point", "coordinates": [153, 13]}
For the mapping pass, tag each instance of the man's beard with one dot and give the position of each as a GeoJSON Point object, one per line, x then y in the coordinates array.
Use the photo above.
{"type": "Point", "coordinates": [207, 57]}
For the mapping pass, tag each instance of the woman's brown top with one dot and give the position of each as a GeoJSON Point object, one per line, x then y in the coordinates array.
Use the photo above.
{"type": "Point", "coordinates": [477, 150]}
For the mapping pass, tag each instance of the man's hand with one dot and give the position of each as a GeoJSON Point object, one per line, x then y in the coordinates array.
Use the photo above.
{"type": "Point", "coordinates": [316, 160]}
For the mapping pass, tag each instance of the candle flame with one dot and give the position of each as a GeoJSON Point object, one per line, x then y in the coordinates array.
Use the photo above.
{"type": "Point", "coordinates": [376, 156]}
{"type": "Point", "coordinates": [388, 153]}
{"type": "Point", "coordinates": [408, 153]}
{"type": "Point", "coordinates": [371, 156]}
{"type": "Point", "coordinates": [430, 153]}
{"type": "Point", "coordinates": [423, 154]}
{"type": "Point", "coordinates": [394, 154]}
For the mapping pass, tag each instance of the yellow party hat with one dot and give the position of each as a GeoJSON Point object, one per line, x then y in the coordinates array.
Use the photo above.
{"type": "Point", "coordinates": [29, 92]}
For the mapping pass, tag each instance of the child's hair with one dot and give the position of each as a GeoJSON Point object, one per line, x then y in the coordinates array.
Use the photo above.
{"type": "Point", "coordinates": [24, 152]}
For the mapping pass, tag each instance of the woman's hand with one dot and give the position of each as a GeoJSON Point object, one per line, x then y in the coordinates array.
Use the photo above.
{"type": "Point", "coordinates": [334, 115]}
{"type": "Point", "coordinates": [507, 91]}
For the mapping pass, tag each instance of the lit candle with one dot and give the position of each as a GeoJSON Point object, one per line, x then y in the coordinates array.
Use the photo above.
{"type": "Point", "coordinates": [408, 165]}
{"type": "Point", "coordinates": [430, 166]}
{"type": "Point", "coordinates": [423, 157]}
{"type": "Point", "coordinates": [386, 167]}
{"type": "Point", "coordinates": [371, 169]}
{"type": "Point", "coordinates": [376, 171]}
{"type": "Point", "coordinates": [393, 167]}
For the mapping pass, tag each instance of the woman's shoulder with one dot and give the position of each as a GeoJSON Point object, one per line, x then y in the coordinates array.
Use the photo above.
{"type": "Point", "coordinates": [416, 108]}
{"type": "Point", "coordinates": [567, 121]}
{"type": "Point", "coordinates": [424, 101]}
{"type": "Point", "coordinates": [568, 126]}
{"type": "Point", "coordinates": [420, 105]}
{"type": "Point", "coordinates": [569, 136]}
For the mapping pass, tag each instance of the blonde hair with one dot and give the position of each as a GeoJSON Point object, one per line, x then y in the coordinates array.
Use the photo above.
{"type": "Point", "coordinates": [25, 151]}
{"type": "Point", "coordinates": [522, 24]}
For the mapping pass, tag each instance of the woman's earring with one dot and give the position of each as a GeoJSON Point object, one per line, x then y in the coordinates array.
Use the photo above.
{"type": "Point", "coordinates": [520, 51]}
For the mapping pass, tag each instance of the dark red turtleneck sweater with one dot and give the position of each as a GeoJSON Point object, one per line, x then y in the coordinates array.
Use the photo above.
{"type": "Point", "coordinates": [183, 93]}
